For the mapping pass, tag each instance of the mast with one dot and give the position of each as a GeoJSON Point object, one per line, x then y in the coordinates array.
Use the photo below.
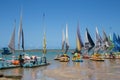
{"type": "Point", "coordinates": [44, 44]}
{"type": "Point", "coordinates": [44, 37]}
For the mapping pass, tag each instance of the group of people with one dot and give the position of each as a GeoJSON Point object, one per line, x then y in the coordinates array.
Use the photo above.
{"type": "Point", "coordinates": [76, 56]}
{"type": "Point", "coordinates": [22, 60]}
{"type": "Point", "coordinates": [32, 60]}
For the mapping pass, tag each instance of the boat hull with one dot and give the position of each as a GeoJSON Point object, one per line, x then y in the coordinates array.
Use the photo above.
{"type": "Point", "coordinates": [36, 65]}
{"type": "Point", "coordinates": [57, 59]}
{"type": "Point", "coordinates": [9, 67]}
{"type": "Point", "coordinates": [77, 60]}
{"type": "Point", "coordinates": [64, 59]}
{"type": "Point", "coordinates": [96, 59]}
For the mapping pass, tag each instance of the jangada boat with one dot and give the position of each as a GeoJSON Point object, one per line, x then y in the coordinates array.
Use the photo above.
{"type": "Point", "coordinates": [86, 56]}
{"type": "Point", "coordinates": [37, 62]}
{"type": "Point", "coordinates": [89, 44]}
{"type": "Point", "coordinates": [65, 57]}
{"type": "Point", "coordinates": [74, 59]}
{"type": "Point", "coordinates": [79, 44]}
{"type": "Point", "coordinates": [78, 60]}
{"type": "Point", "coordinates": [7, 64]}
{"type": "Point", "coordinates": [96, 57]}
{"type": "Point", "coordinates": [57, 57]}
{"type": "Point", "coordinates": [77, 57]}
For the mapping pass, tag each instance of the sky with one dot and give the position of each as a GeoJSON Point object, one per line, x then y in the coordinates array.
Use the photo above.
{"type": "Point", "coordinates": [105, 14]}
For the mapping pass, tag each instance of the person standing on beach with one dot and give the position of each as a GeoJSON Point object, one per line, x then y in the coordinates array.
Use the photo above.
{"type": "Point", "coordinates": [21, 60]}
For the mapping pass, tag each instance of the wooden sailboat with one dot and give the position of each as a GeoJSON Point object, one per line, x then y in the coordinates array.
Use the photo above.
{"type": "Point", "coordinates": [65, 57]}
{"type": "Point", "coordinates": [11, 63]}
{"type": "Point", "coordinates": [63, 44]}
{"type": "Point", "coordinates": [42, 61]}
{"type": "Point", "coordinates": [105, 43]}
{"type": "Point", "coordinates": [89, 44]}
{"type": "Point", "coordinates": [11, 44]}
{"type": "Point", "coordinates": [79, 45]}
{"type": "Point", "coordinates": [113, 48]}
{"type": "Point", "coordinates": [21, 41]}
{"type": "Point", "coordinates": [39, 62]}
{"type": "Point", "coordinates": [22, 56]}
{"type": "Point", "coordinates": [96, 56]}
{"type": "Point", "coordinates": [44, 49]}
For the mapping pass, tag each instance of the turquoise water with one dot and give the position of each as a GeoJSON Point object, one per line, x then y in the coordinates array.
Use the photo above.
{"type": "Point", "coordinates": [89, 70]}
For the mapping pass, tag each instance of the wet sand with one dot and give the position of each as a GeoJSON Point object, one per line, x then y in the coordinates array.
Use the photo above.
{"type": "Point", "coordinates": [85, 71]}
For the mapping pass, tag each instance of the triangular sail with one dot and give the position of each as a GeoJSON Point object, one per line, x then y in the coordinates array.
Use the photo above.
{"type": "Point", "coordinates": [86, 41]}
{"type": "Point", "coordinates": [116, 43]}
{"type": "Point", "coordinates": [20, 32]}
{"type": "Point", "coordinates": [106, 42]}
{"type": "Point", "coordinates": [67, 42]}
{"type": "Point", "coordinates": [11, 44]}
{"type": "Point", "coordinates": [105, 38]}
{"type": "Point", "coordinates": [91, 43]}
{"type": "Point", "coordinates": [98, 39]}
{"type": "Point", "coordinates": [79, 43]}
{"type": "Point", "coordinates": [63, 40]}
{"type": "Point", "coordinates": [110, 42]}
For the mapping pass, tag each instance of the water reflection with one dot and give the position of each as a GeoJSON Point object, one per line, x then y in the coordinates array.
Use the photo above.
{"type": "Point", "coordinates": [63, 65]}
{"type": "Point", "coordinates": [34, 73]}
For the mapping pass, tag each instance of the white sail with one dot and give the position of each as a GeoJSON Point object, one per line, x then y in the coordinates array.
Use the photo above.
{"type": "Point", "coordinates": [98, 39]}
{"type": "Point", "coordinates": [63, 40]}
{"type": "Point", "coordinates": [11, 44]}
{"type": "Point", "coordinates": [67, 41]}
{"type": "Point", "coordinates": [20, 32]}
{"type": "Point", "coordinates": [86, 37]}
